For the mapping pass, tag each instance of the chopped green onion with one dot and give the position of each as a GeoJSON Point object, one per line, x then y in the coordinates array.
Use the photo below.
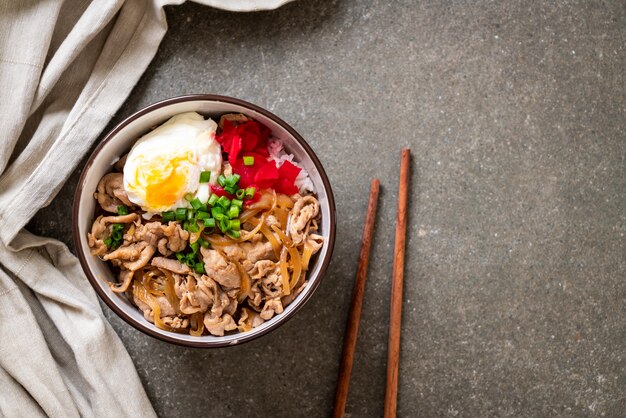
{"type": "Point", "coordinates": [180, 257]}
{"type": "Point", "coordinates": [250, 191]}
{"type": "Point", "coordinates": [196, 204]}
{"type": "Point", "coordinates": [241, 193]}
{"type": "Point", "coordinates": [210, 223]}
{"type": "Point", "coordinates": [205, 177]}
{"type": "Point", "coordinates": [122, 210]}
{"type": "Point", "coordinates": [235, 225]}
{"type": "Point", "coordinates": [192, 226]}
{"type": "Point", "coordinates": [233, 212]}
{"type": "Point", "coordinates": [188, 196]}
{"type": "Point", "coordinates": [199, 267]}
{"type": "Point", "coordinates": [203, 243]}
{"type": "Point", "coordinates": [221, 180]}
{"type": "Point", "coordinates": [202, 215]}
{"type": "Point", "coordinates": [168, 216]}
{"type": "Point", "coordinates": [181, 214]}
{"type": "Point", "coordinates": [234, 234]}
{"type": "Point", "coordinates": [224, 224]}
{"type": "Point", "coordinates": [248, 160]}
{"type": "Point", "coordinates": [230, 183]}
{"type": "Point", "coordinates": [190, 214]}
{"type": "Point", "coordinates": [223, 202]}
{"type": "Point", "coordinates": [194, 247]}
{"type": "Point", "coordinates": [237, 203]}
{"type": "Point", "coordinates": [216, 210]}
{"type": "Point", "coordinates": [213, 199]}
{"type": "Point", "coordinates": [116, 237]}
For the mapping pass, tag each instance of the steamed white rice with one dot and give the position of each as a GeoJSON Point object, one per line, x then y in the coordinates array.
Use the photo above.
{"type": "Point", "coordinates": [278, 154]}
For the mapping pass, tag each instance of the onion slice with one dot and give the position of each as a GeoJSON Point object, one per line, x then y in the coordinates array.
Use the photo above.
{"type": "Point", "coordinates": [276, 246]}
{"type": "Point", "coordinates": [284, 272]}
{"type": "Point", "coordinates": [295, 263]}
{"type": "Point", "coordinates": [307, 252]}
{"type": "Point", "coordinates": [170, 292]}
{"type": "Point", "coordinates": [284, 201]}
{"type": "Point", "coordinates": [198, 329]}
{"type": "Point", "coordinates": [287, 242]}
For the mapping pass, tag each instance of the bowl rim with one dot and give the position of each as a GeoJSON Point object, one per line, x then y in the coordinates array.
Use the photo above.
{"type": "Point", "coordinates": [143, 327]}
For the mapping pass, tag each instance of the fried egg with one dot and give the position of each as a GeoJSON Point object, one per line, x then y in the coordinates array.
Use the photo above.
{"type": "Point", "coordinates": [165, 165]}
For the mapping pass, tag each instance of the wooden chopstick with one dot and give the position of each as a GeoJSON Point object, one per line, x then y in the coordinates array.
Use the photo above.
{"type": "Point", "coordinates": [395, 319]}
{"type": "Point", "coordinates": [352, 326]}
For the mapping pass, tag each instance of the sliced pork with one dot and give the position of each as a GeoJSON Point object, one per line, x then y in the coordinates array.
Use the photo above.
{"type": "Point", "coordinates": [271, 308]}
{"type": "Point", "coordinates": [219, 269]}
{"type": "Point", "coordinates": [170, 238]}
{"type": "Point", "coordinates": [170, 264]}
{"type": "Point", "coordinates": [101, 229]}
{"type": "Point", "coordinates": [303, 212]}
{"type": "Point", "coordinates": [258, 251]}
{"type": "Point", "coordinates": [110, 192]}
{"type": "Point", "coordinates": [218, 324]}
{"type": "Point", "coordinates": [194, 295]}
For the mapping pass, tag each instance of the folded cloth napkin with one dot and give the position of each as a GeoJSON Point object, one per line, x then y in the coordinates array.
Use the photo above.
{"type": "Point", "coordinates": [66, 66]}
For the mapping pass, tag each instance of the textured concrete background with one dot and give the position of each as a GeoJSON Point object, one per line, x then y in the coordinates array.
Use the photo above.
{"type": "Point", "coordinates": [515, 273]}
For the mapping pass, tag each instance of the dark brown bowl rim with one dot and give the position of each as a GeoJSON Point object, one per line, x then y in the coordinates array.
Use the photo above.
{"type": "Point", "coordinates": [140, 325]}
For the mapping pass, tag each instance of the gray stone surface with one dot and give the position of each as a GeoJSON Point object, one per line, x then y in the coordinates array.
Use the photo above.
{"type": "Point", "coordinates": [515, 273]}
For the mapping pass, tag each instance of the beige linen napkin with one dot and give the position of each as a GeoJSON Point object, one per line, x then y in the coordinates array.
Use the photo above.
{"type": "Point", "coordinates": [65, 69]}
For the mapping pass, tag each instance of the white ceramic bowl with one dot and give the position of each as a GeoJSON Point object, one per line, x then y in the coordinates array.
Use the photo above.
{"type": "Point", "coordinates": [119, 141]}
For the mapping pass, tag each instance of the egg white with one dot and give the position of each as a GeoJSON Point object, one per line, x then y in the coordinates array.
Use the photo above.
{"type": "Point", "coordinates": [165, 164]}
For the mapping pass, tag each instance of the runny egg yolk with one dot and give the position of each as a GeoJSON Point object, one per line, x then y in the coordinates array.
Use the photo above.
{"type": "Point", "coordinates": [164, 165]}
{"type": "Point", "coordinates": [165, 179]}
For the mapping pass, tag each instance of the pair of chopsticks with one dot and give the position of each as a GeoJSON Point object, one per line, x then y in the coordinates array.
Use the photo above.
{"type": "Point", "coordinates": [395, 319]}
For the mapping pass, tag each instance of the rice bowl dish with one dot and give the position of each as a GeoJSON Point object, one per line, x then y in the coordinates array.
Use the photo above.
{"type": "Point", "coordinates": [210, 226]}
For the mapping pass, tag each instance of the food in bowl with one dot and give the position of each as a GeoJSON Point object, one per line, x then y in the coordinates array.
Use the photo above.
{"type": "Point", "coordinates": [209, 227]}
